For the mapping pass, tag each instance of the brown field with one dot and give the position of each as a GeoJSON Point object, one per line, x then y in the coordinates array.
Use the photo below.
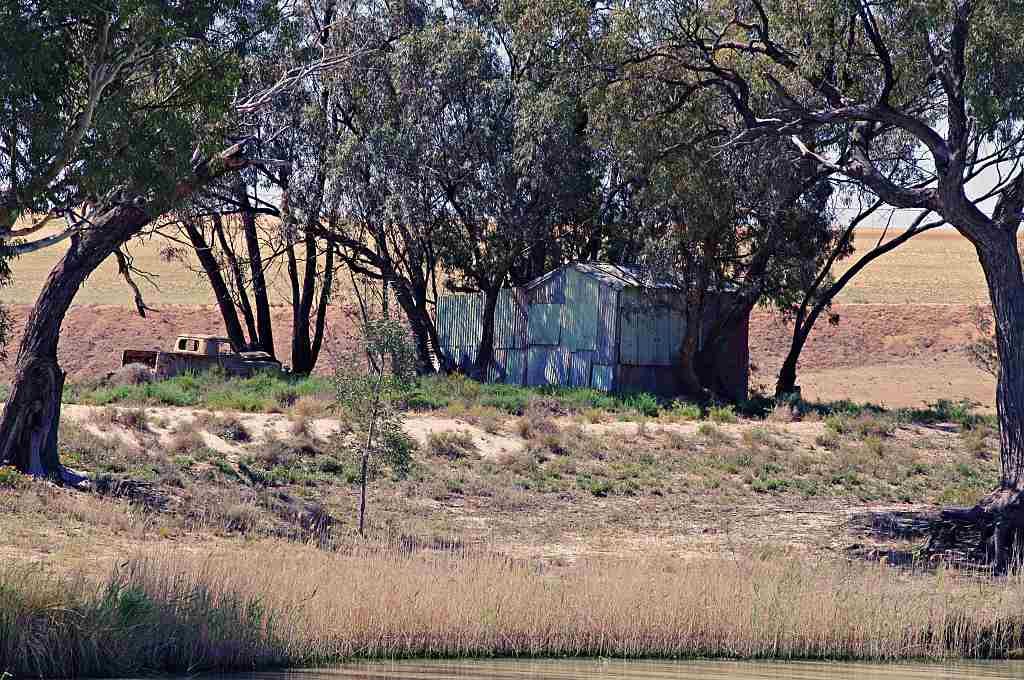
{"type": "Point", "coordinates": [939, 267]}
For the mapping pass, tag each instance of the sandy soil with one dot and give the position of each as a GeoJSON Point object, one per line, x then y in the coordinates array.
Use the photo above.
{"type": "Point", "coordinates": [689, 526]}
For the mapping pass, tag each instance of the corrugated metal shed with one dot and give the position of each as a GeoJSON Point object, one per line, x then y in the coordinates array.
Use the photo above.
{"type": "Point", "coordinates": [586, 325]}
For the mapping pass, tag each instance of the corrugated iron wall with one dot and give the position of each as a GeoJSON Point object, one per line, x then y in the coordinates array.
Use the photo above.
{"type": "Point", "coordinates": [459, 330]}
{"type": "Point", "coordinates": [571, 329]}
{"type": "Point", "coordinates": [651, 333]}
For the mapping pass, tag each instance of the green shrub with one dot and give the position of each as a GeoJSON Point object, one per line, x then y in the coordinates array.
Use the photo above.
{"type": "Point", "coordinates": [722, 414]}
{"type": "Point", "coordinates": [11, 478]}
{"type": "Point", "coordinates": [681, 411]}
{"type": "Point", "coordinates": [212, 389]}
{"type": "Point", "coordinates": [644, 403]}
{"type": "Point", "coordinates": [712, 434]}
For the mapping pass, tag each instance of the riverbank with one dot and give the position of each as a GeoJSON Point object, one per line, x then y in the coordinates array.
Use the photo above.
{"type": "Point", "coordinates": [269, 603]}
{"type": "Point", "coordinates": [524, 523]}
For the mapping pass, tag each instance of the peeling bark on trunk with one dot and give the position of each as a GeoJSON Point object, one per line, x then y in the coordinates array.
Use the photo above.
{"type": "Point", "coordinates": [28, 427]}
{"type": "Point", "coordinates": [997, 522]}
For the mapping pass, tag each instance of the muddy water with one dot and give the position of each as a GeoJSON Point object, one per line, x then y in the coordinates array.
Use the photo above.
{"type": "Point", "coordinates": [643, 670]}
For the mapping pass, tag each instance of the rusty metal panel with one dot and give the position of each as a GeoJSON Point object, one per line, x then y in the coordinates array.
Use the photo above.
{"type": "Point", "coordinates": [509, 367]}
{"type": "Point", "coordinates": [510, 319]}
{"type": "Point", "coordinates": [547, 366]}
{"type": "Point", "coordinates": [607, 325]}
{"type": "Point", "coordinates": [602, 377]}
{"type": "Point", "coordinates": [580, 312]}
{"type": "Point", "coordinates": [544, 325]}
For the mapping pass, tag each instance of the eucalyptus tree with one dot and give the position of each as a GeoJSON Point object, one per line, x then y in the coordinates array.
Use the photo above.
{"type": "Point", "coordinates": [373, 199]}
{"type": "Point", "coordinates": [461, 152]}
{"type": "Point", "coordinates": [519, 176]}
{"type": "Point", "coordinates": [755, 220]}
{"type": "Point", "coordinates": [245, 229]}
{"type": "Point", "coordinates": [115, 121]}
{"type": "Point", "coordinates": [924, 97]}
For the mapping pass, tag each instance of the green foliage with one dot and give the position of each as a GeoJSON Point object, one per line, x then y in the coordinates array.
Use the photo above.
{"type": "Point", "coordinates": [682, 411]}
{"type": "Point", "coordinates": [173, 74]}
{"type": "Point", "coordinates": [261, 393]}
{"type": "Point", "coordinates": [644, 403]}
{"type": "Point", "coordinates": [372, 387]}
{"type": "Point", "coordinates": [436, 392]}
{"type": "Point", "coordinates": [11, 478]}
{"type": "Point", "coordinates": [722, 414]}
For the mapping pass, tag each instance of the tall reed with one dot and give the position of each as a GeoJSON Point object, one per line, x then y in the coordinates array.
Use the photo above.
{"type": "Point", "coordinates": [273, 604]}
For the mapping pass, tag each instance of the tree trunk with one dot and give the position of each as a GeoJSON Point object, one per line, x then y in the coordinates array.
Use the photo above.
{"type": "Point", "coordinates": [786, 383]}
{"type": "Point", "coordinates": [485, 352]}
{"type": "Point", "coordinates": [999, 517]}
{"type": "Point", "coordinates": [31, 416]}
{"type": "Point", "coordinates": [228, 249]}
{"type": "Point", "coordinates": [264, 324]}
{"type": "Point", "coordinates": [1002, 267]}
{"type": "Point", "coordinates": [424, 332]}
{"type": "Point", "coordinates": [220, 289]}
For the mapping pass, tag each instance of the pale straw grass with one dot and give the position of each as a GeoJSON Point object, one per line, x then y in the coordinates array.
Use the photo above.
{"type": "Point", "coordinates": [272, 603]}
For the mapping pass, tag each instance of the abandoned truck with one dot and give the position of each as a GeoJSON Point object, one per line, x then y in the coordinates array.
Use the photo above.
{"type": "Point", "coordinates": [198, 353]}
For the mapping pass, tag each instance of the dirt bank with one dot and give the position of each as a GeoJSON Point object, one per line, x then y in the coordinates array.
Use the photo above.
{"type": "Point", "coordinates": [899, 355]}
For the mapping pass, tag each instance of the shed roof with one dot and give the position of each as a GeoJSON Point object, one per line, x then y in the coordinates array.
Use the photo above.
{"type": "Point", "coordinates": [616, 276]}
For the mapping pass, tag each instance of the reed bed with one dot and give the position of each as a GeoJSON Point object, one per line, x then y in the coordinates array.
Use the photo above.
{"type": "Point", "coordinates": [273, 604]}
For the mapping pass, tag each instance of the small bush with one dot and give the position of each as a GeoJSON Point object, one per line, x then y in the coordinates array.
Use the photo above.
{"type": "Point", "coordinates": [133, 418]}
{"type": "Point", "coordinates": [756, 436]}
{"type": "Point", "coordinates": [185, 439]}
{"type": "Point", "coordinates": [975, 441]}
{"type": "Point", "coordinates": [722, 414]}
{"type": "Point", "coordinates": [131, 374]}
{"type": "Point", "coordinates": [241, 517]}
{"type": "Point", "coordinates": [860, 425]}
{"type": "Point", "coordinates": [681, 411]}
{"type": "Point", "coordinates": [310, 407]}
{"type": "Point", "coordinates": [228, 427]}
{"type": "Point", "coordinates": [644, 403]}
{"type": "Point", "coordinates": [451, 445]}
{"type": "Point", "coordinates": [534, 426]}
{"type": "Point", "coordinates": [712, 434]}
{"type": "Point", "coordinates": [827, 440]}
{"type": "Point", "coordinates": [11, 478]}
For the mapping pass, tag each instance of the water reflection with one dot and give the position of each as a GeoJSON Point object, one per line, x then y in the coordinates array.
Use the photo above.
{"type": "Point", "coordinates": [649, 670]}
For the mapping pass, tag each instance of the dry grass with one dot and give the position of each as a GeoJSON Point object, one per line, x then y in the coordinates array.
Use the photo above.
{"type": "Point", "coordinates": [178, 282]}
{"type": "Point", "coordinates": [174, 612]}
{"type": "Point", "coordinates": [939, 267]}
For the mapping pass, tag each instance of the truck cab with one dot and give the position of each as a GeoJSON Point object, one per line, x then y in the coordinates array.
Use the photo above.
{"type": "Point", "coordinates": [197, 353]}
